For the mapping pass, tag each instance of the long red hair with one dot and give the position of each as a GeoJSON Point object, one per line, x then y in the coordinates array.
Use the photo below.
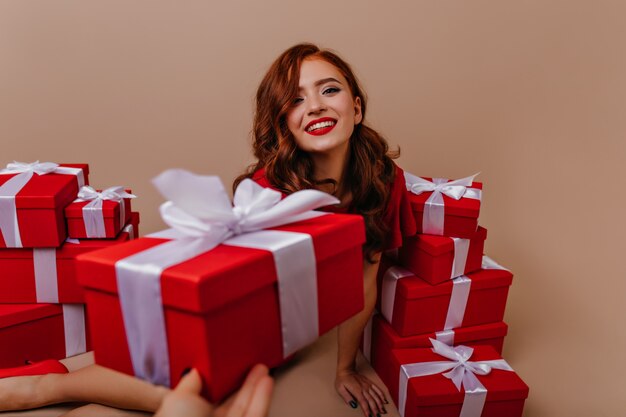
{"type": "Point", "coordinates": [369, 169]}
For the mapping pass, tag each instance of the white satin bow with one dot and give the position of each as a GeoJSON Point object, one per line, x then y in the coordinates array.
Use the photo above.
{"type": "Point", "coordinates": [37, 167]}
{"type": "Point", "coordinates": [117, 193]}
{"type": "Point", "coordinates": [199, 206]}
{"type": "Point", "coordinates": [453, 189]}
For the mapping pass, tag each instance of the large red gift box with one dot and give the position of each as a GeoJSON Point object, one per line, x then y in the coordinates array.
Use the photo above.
{"type": "Point", "coordinates": [30, 276]}
{"type": "Point", "coordinates": [221, 308]}
{"type": "Point", "coordinates": [34, 332]}
{"type": "Point", "coordinates": [436, 259]}
{"type": "Point", "coordinates": [113, 222]}
{"type": "Point", "coordinates": [437, 396]}
{"type": "Point", "coordinates": [418, 307]}
{"type": "Point", "coordinates": [461, 216]}
{"type": "Point", "coordinates": [384, 339]}
{"type": "Point", "coordinates": [40, 204]}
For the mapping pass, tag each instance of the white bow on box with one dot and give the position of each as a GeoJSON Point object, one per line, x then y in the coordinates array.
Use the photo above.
{"type": "Point", "coordinates": [9, 226]}
{"type": "Point", "coordinates": [202, 216]}
{"type": "Point", "coordinates": [434, 208]}
{"type": "Point", "coordinates": [459, 369]}
{"type": "Point", "coordinates": [93, 217]}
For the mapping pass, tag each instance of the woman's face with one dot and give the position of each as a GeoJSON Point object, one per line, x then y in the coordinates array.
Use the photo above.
{"type": "Point", "coordinates": [323, 116]}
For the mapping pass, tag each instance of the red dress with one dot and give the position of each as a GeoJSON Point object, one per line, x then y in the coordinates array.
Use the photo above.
{"type": "Point", "coordinates": [398, 215]}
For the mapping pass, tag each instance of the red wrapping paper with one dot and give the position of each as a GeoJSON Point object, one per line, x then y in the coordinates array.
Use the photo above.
{"type": "Point", "coordinates": [420, 307]}
{"type": "Point", "coordinates": [111, 214]}
{"type": "Point", "coordinates": [436, 395]}
{"type": "Point", "coordinates": [31, 332]}
{"type": "Point", "coordinates": [431, 257]}
{"type": "Point", "coordinates": [221, 308]}
{"type": "Point", "coordinates": [385, 339]}
{"type": "Point", "coordinates": [461, 216]}
{"type": "Point", "coordinates": [40, 206]}
{"type": "Point", "coordinates": [17, 272]}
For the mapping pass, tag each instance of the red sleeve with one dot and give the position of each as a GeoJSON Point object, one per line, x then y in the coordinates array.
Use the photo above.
{"type": "Point", "coordinates": [398, 215]}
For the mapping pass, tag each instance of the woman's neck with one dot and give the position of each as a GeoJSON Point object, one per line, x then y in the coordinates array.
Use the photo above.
{"type": "Point", "coordinates": [329, 165]}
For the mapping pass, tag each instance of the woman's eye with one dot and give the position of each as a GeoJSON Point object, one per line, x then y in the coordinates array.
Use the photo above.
{"type": "Point", "coordinates": [297, 100]}
{"type": "Point", "coordinates": [330, 90]}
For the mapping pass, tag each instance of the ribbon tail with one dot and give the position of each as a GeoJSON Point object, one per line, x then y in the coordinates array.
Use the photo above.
{"type": "Point", "coordinates": [9, 226]}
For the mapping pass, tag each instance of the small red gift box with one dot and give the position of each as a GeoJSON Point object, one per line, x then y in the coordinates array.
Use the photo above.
{"type": "Point", "coordinates": [436, 259]}
{"type": "Point", "coordinates": [221, 309]}
{"type": "Point", "coordinates": [48, 275]}
{"type": "Point", "coordinates": [34, 332]}
{"type": "Point", "coordinates": [36, 207]}
{"type": "Point", "coordinates": [384, 339]}
{"type": "Point", "coordinates": [413, 306]}
{"type": "Point", "coordinates": [438, 211]}
{"type": "Point", "coordinates": [422, 392]}
{"type": "Point", "coordinates": [107, 220]}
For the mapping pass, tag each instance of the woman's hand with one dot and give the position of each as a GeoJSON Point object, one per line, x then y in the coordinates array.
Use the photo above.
{"type": "Point", "coordinates": [357, 389]}
{"type": "Point", "coordinates": [252, 399]}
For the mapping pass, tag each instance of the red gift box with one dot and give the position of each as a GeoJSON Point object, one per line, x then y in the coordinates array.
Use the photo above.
{"type": "Point", "coordinates": [222, 308]}
{"type": "Point", "coordinates": [413, 306]}
{"type": "Point", "coordinates": [114, 218]}
{"type": "Point", "coordinates": [34, 332]}
{"type": "Point", "coordinates": [31, 275]}
{"type": "Point", "coordinates": [437, 396]}
{"type": "Point", "coordinates": [436, 259]}
{"type": "Point", "coordinates": [384, 339]}
{"type": "Point", "coordinates": [460, 217]}
{"type": "Point", "coordinates": [39, 206]}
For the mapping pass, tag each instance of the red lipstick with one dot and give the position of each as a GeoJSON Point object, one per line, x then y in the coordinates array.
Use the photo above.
{"type": "Point", "coordinates": [323, 130]}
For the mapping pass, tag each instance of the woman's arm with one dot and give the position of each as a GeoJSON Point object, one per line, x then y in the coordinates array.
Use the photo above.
{"type": "Point", "coordinates": [352, 386]}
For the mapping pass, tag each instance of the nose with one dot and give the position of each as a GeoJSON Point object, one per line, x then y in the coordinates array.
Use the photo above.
{"type": "Point", "coordinates": [315, 105]}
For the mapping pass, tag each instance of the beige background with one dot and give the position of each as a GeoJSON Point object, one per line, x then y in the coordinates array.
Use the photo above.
{"type": "Point", "coordinates": [530, 93]}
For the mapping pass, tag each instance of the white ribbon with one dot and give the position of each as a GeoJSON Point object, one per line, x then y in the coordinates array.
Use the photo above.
{"type": "Point", "coordinates": [130, 229]}
{"type": "Point", "coordinates": [202, 217]}
{"type": "Point", "coordinates": [461, 371]}
{"type": "Point", "coordinates": [388, 291]}
{"type": "Point", "coordinates": [74, 326]}
{"type": "Point", "coordinates": [93, 217]}
{"type": "Point", "coordinates": [9, 226]}
{"type": "Point", "coordinates": [434, 208]}
{"type": "Point", "coordinates": [489, 263]}
{"type": "Point", "coordinates": [458, 302]}
{"type": "Point", "coordinates": [46, 280]}
{"type": "Point", "coordinates": [461, 250]}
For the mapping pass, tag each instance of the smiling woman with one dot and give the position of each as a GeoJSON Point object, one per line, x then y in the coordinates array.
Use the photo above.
{"type": "Point", "coordinates": [309, 133]}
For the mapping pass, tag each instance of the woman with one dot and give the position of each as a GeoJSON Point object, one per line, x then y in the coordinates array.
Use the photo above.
{"type": "Point", "coordinates": [309, 132]}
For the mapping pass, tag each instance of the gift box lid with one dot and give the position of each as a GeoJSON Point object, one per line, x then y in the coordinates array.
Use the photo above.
{"type": "Point", "coordinates": [109, 208]}
{"type": "Point", "coordinates": [438, 245]}
{"type": "Point", "coordinates": [436, 389]}
{"type": "Point", "coordinates": [461, 334]}
{"type": "Point", "coordinates": [226, 273]}
{"type": "Point", "coordinates": [12, 314]}
{"type": "Point", "coordinates": [48, 191]}
{"type": "Point", "coordinates": [72, 250]}
{"type": "Point", "coordinates": [413, 287]}
{"type": "Point", "coordinates": [464, 207]}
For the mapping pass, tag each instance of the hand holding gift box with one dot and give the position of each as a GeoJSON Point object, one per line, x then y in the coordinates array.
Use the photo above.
{"type": "Point", "coordinates": [219, 293]}
{"type": "Point", "coordinates": [32, 199]}
{"type": "Point", "coordinates": [444, 207]}
{"type": "Point", "coordinates": [98, 214]}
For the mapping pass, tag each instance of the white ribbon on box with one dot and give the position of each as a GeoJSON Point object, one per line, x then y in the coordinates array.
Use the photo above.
{"type": "Point", "coordinates": [434, 208]}
{"type": "Point", "coordinates": [74, 326]}
{"type": "Point", "coordinates": [202, 217]}
{"type": "Point", "coordinates": [45, 268]}
{"type": "Point", "coordinates": [9, 226]}
{"type": "Point", "coordinates": [93, 216]}
{"type": "Point", "coordinates": [458, 302]}
{"type": "Point", "coordinates": [461, 371]}
{"type": "Point", "coordinates": [388, 290]}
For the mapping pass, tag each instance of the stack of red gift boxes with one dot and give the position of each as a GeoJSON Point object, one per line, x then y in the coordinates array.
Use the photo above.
{"type": "Point", "coordinates": [48, 216]}
{"type": "Point", "coordinates": [439, 290]}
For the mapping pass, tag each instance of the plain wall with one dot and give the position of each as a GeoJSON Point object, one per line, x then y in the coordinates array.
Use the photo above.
{"type": "Point", "coordinates": [530, 93]}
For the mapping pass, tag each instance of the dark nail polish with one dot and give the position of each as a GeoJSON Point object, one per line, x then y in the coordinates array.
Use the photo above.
{"type": "Point", "coordinates": [185, 372]}
{"type": "Point", "coordinates": [384, 410]}
{"type": "Point", "coordinates": [386, 402]}
{"type": "Point", "coordinates": [377, 414]}
{"type": "Point", "coordinates": [353, 404]}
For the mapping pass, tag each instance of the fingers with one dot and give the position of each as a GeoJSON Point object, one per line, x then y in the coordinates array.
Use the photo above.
{"type": "Point", "coordinates": [260, 402]}
{"type": "Point", "coordinates": [380, 393]}
{"type": "Point", "coordinates": [244, 396]}
{"type": "Point", "coordinates": [357, 394]}
{"type": "Point", "coordinates": [191, 383]}
{"type": "Point", "coordinates": [347, 397]}
{"type": "Point", "coordinates": [376, 399]}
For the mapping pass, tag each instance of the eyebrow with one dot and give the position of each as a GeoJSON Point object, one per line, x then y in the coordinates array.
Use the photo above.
{"type": "Point", "coordinates": [324, 81]}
